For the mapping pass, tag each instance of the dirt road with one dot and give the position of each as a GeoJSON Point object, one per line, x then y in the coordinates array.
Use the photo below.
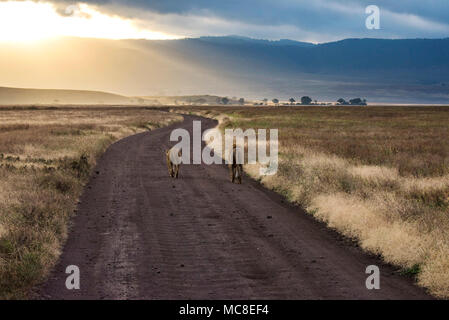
{"type": "Point", "coordinates": [139, 234]}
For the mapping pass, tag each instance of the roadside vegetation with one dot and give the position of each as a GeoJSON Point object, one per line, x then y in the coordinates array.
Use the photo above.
{"type": "Point", "coordinates": [377, 174]}
{"type": "Point", "coordinates": [46, 155]}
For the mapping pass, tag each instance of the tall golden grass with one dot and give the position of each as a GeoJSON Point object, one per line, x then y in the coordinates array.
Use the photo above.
{"type": "Point", "coordinates": [376, 174]}
{"type": "Point", "coordinates": [46, 155]}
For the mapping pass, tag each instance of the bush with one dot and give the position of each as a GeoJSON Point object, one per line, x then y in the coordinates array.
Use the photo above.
{"type": "Point", "coordinates": [81, 166]}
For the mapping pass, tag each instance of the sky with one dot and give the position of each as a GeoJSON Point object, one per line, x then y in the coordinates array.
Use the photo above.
{"type": "Point", "coordinates": [304, 20]}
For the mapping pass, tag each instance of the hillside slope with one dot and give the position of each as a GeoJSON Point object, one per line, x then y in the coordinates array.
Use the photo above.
{"type": "Point", "coordinates": [9, 96]}
{"type": "Point", "coordinates": [402, 71]}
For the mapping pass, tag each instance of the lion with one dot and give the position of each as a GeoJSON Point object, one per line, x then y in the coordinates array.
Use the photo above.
{"type": "Point", "coordinates": [173, 169]}
{"type": "Point", "coordinates": [235, 169]}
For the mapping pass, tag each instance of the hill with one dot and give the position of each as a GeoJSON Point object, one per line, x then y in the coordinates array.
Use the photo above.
{"type": "Point", "coordinates": [16, 96]}
{"type": "Point", "coordinates": [401, 71]}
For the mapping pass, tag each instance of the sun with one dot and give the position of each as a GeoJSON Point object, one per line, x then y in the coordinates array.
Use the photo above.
{"type": "Point", "coordinates": [28, 21]}
{"type": "Point", "coordinates": [25, 21]}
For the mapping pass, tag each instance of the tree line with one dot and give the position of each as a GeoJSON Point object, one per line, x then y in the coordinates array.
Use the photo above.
{"type": "Point", "coordinates": [307, 101]}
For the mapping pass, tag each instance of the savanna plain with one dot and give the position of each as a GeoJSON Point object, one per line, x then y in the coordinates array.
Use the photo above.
{"type": "Point", "coordinates": [46, 156]}
{"type": "Point", "coordinates": [377, 174]}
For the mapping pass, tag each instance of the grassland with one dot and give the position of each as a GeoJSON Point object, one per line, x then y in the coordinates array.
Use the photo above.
{"type": "Point", "coordinates": [376, 174]}
{"type": "Point", "coordinates": [46, 155]}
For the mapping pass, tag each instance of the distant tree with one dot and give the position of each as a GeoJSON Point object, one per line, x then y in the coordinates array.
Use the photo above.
{"type": "Point", "coordinates": [292, 101]}
{"type": "Point", "coordinates": [357, 102]}
{"type": "Point", "coordinates": [225, 100]}
{"type": "Point", "coordinates": [265, 100]}
{"type": "Point", "coordinates": [341, 101]}
{"type": "Point", "coordinates": [306, 100]}
{"type": "Point", "coordinates": [242, 101]}
{"type": "Point", "coordinates": [275, 101]}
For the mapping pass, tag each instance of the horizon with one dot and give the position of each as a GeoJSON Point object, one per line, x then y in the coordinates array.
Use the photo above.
{"type": "Point", "coordinates": [230, 36]}
{"type": "Point", "coordinates": [284, 101]}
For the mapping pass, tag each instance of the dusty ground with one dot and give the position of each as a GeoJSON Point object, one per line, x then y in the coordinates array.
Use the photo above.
{"type": "Point", "coordinates": [140, 235]}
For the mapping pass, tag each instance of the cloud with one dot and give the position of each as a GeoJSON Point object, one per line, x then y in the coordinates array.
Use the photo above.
{"type": "Point", "coordinates": [318, 20]}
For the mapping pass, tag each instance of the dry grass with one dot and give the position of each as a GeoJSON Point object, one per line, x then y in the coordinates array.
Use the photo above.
{"type": "Point", "coordinates": [46, 155]}
{"type": "Point", "coordinates": [377, 174]}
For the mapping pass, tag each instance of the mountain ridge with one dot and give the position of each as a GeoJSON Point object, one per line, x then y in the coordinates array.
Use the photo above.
{"type": "Point", "coordinates": [381, 70]}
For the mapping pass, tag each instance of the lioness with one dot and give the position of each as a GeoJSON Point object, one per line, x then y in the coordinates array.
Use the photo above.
{"type": "Point", "coordinates": [235, 169]}
{"type": "Point", "coordinates": [173, 169]}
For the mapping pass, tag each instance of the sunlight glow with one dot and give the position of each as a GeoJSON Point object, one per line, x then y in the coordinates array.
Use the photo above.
{"type": "Point", "coordinates": [27, 21]}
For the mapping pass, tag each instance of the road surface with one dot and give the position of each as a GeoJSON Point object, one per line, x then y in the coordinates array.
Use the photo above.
{"type": "Point", "coordinates": [139, 234]}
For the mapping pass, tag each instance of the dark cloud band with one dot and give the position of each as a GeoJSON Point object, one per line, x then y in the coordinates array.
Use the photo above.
{"type": "Point", "coordinates": [334, 18]}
